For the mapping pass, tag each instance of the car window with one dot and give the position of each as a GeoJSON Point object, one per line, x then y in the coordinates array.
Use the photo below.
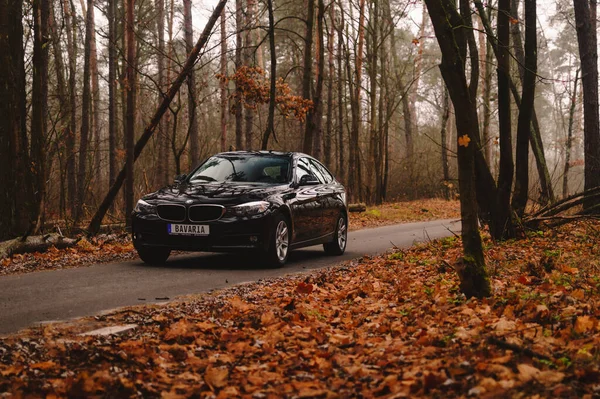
{"type": "Point", "coordinates": [304, 168]}
{"type": "Point", "coordinates": [315, 171]}
{"type": "Point", "coordinates": [244, 168]}
{"type": "Point", "coordinates": [328, 178]}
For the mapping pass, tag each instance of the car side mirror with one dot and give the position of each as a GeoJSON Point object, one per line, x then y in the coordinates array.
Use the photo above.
{"type": "Point", "coordinates": [308, 180]}
{"type": "Point", "coordinates": [180, 178]}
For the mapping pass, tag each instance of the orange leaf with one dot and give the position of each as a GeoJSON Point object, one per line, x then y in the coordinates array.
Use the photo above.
{"type": "Point", "coordinates": [304, 288]}
{"type": "Point", "coordinates": [464, 140]}
{"type": "Point", "coordinates": [415, 41]}
{"type": "Point", "coordinates": [216, 377]}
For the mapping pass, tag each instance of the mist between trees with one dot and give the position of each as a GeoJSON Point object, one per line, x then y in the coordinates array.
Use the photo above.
{"type": "Point", "coordinates": [382, 97]}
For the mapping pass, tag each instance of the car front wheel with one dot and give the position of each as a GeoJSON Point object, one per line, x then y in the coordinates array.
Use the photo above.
{"type": "Point", "coordinates": [338, 245]}
{"type": "Point", "coordinates": [279, 246]}
{"type": "Point", "coordinates": [153, 255]}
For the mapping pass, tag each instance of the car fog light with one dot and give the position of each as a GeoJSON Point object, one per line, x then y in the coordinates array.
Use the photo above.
{"type": "Point", "coordinates": [253, 239]}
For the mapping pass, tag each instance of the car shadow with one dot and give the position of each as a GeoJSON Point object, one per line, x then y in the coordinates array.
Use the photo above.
{"type": "Point", "coordinates": [235, 261]}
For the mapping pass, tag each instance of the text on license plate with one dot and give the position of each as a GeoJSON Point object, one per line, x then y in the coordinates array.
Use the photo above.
{"type": "Point", "coordinates": [188, 229]}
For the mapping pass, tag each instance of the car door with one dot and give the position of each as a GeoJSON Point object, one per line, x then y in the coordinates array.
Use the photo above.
{"type": "Point", "coordinates": [327, 198]}
{"type": "Point", "coordinates": [306, 209]}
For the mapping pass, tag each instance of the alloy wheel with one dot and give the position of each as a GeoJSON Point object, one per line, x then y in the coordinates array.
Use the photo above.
{"type": "Point", "coordinates": [281, 240]}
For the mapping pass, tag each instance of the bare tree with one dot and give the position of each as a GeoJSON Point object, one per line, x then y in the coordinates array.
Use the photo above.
{"type": "Point", "coordinates": [224, 100]}
{"type": "Point", "coordinates": [585, 23]}
{"type": "Point", "coordinates": [130, 121]}
{"type": "Point", "coordinates": [191, 80]}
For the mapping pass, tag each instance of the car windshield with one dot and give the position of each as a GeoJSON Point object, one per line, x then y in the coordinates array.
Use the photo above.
{"type": "Point", "coordinates": [250, 169]}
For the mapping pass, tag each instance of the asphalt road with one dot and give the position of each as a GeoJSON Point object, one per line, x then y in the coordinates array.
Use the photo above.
{"type": "Point", "coordinates": [26, 300]}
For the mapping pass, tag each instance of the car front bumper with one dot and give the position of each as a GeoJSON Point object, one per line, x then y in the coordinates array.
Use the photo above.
{"type": "Point", "coordinates": [226, 234]}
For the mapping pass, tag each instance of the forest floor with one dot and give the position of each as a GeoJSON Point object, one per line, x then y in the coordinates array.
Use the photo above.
{"type": "Point", "coordinates": [107, 248]}
{"type": "Point", "coordinates": [390, 326]}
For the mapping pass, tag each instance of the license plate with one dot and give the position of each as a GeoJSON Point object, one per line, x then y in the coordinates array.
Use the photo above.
{"type": "Point", "coordinates": [188, 229]}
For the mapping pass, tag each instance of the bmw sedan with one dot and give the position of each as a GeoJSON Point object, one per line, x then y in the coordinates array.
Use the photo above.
{"type": "Point", "coordinates": [264, 202]}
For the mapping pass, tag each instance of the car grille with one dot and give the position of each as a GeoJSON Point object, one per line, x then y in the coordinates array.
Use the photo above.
{"type": "Point", "coordinates": [205, 213]}
{"type": "Point", "coordinates": [171, 213]}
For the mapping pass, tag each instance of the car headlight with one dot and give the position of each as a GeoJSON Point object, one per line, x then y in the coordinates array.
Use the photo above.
{"type": "Point", "coordinates": [249, 208]}
{"type": "Point", "coordinates": [144, 207]}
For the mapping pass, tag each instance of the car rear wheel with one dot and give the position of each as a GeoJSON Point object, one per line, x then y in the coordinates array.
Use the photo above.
{"type": "Point", "coordinates": [338, 245]}
{"type": "Point", "coordinates": [153, 255]}
{"type": "Point", "coordinates": [279, 246]}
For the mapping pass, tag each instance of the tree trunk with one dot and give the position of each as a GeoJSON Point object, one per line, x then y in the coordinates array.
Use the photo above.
{"type": "Point", "coordinates": [191, 83]}
{"type": "Point", "coordinates": [342, 167]}
{"type": "Point", "coordinates": [130, 121]}
{"type": "Point", "coordinates": [450, 32]}
{"type": "Point", "coordinates": [71, 31]}
{"type": "Point", "coordinates": [307, 77]}
{"type": "Point", "coordinates": [39, 110]}
{"type": "Point", "coordinates": [63, 98]}
{"type": "Point", "coordinates": [162, 165]}
{"type": "Point", "coordinates": [15, 197]}
{"type": "Point", "coordinates": [317, 115]}
{"type": "Point", "coordinates": [270, 130]}
{"type": "Point", "coordinates": [355, 173]}
{"type": "Point", "coordinates": [521, 190]}
{"type": "Point", "coordinates": [444, 141]}
{"type": "Point", "coordinates": [373, 58]}
{"type": "Point", "coordinates": [85, 115]}
{"type": "Point", "coordinates": [112, 78]}
{"type": "Point", "coordinates": [223, 84]}
{"type": "Point", "coordinates": [248, 52]}
{"type": "Point", "coordinates": [565, 190]}
{"type": "Point", "coordinates": [239, 23]}
{"type": "Point", "coordinates": [505, 179]}
{"type": "Point", "coordinates": [535, 139]}
{"type": "Point", "coordinates": [485, 59]}
{"type": "Point", "coordinates": [149, 130]}
{"type": "Point", "coordinates": [327, 140]}
{"type": "Point", "coordinates": [585, 23]}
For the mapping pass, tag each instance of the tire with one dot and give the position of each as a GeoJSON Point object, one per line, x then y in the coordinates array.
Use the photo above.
{"type": "Point", "coordinates": [278, 250]}
{"type": "Point", "coordinates": [340, 238]}
{"type": "Point", "coordinates": [153, 255]}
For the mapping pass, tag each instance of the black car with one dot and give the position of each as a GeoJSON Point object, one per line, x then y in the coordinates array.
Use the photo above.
{"type": "Point", "coordinates": [266, 202]}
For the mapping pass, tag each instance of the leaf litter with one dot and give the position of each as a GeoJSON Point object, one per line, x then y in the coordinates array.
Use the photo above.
{"type": "Point", "coordinates": [390, 326]}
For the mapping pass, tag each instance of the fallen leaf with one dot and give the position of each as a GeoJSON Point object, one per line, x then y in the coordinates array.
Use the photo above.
{"type": "Point", "coordinates": [216, 377]}
{"type": "Point", "coordinates": [584, 324]}
{"type": "Point", "coordinates": [304, 288]}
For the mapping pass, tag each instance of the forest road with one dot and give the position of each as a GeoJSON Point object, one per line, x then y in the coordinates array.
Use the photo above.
{"type": "Point", "coordinates": [30, 299]}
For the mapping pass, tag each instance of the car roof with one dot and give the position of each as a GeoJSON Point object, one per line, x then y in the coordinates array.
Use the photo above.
{"type": "Point", "coordinates": [260, 153]}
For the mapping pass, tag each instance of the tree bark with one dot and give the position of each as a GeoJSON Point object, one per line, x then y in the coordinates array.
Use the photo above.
{"type": "Point", "coordinates": [521, 190]}
{"type": "Point", "coordinates": [162, 164]}
{"type": "Point", "coordinates": [223, 84]}
{"type": "Point", "coordinates": [130, 121]}
{"type": "Point", "coordinates": [191, 83]}
{"type": "Point", "coordinates": [372, 175]}
{"type": "Point", "coordinates": [15, 197]}
{"type": "Point", "coordinates": [307, 147]}
{"type": "Point", "coordinates": [39, 110]}
{"type": "Point", "coordinates": [239, 23]}
{"type": "Point", "coordinates": [328, 138]}
{"type": "Point", "coordinates": [342, 167]}
{"type": "Point", "coordinates": [248, 61]}
{"type": "Point", "coordinates": [71, 31]}
{"type": "Point", "coordinates": [270, 130]}
{"type": "Point", "coordinates": [112, 82]}
{"type": "Point", "coordinates": [444, 141]}
{"type": "Point", "coordinates": [149, 130]}
{"type": "Point", "coordinates": [569, 144]}
{"type": "Point", "coordinates": [450, 32]}
{"type": "Point", "coordinates": [505, 179]}
{"type": "Point", "coordinates": [585, 23]}
{"type": "Point", "coordinates": [317, 110]}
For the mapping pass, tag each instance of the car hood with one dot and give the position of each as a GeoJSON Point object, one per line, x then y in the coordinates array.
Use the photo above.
{"type": "Point", "coordinates": [228, 193]}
